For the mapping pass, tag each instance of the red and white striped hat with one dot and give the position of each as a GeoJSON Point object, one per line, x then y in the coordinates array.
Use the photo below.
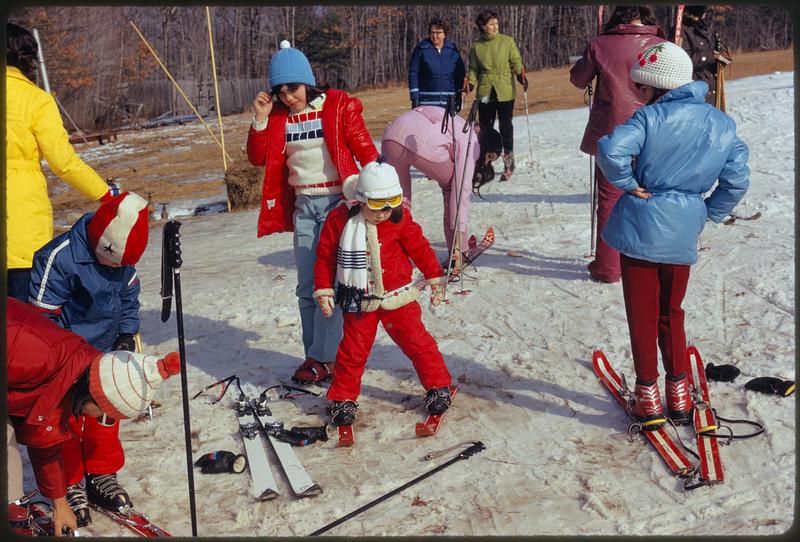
{"type": "Point", "coordinates": [124, 383]}
{"type": "Point", "coordinates": [118, 231]}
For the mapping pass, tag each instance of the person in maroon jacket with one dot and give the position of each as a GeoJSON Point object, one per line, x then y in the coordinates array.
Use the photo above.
{"type": "Point", "coordinates": [308, 138]}
{"type": "Point", "coordinates": [367, 247]}
{"type": "Point", "coordinates": [609, 57]}
{"type": "Point", "coordinates": [54, 374]}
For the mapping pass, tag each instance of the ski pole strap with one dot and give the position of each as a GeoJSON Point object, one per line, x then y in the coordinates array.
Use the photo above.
{"type": "Point", "coordinates": [288, 394]}
{"type": "Point", "coordinates": [449, 111]}
{"type": "Point", "coordinates": [758, 431]}
{"type": "Point", "coordinates": [225, 382]}
{"type": "Point", "coordinates": [473, 115]}
{"type": "Point", "coordinates": [434, 454]}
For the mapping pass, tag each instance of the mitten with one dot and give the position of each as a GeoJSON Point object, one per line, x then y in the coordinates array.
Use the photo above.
{"type": "Point", "coordinates": [125, 341]}
{"type": "Point", "coordinates": [523, 81]}
{"type": "Point", "coordinates": [471, 87]}
{"type": "Point", "coordinates": [221, 461]}
{"type": "Point", "coordinates": [437, 291]}
{"type": "Point", "coordinates": [770, 384]}
{"type": "Point", "coordinates": [458, 102]}
{"type": "Point", "coordinates": [326, 305]}
{"type": "Point", "coordinates": [721, 373]}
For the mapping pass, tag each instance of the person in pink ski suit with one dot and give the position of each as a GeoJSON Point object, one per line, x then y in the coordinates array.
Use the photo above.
{"type": "Point", "coordinates": [415, 139]}
{"type": "Point", "coordinates": [609, 57]}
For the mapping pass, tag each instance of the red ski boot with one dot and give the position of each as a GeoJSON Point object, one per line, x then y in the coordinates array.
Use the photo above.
{"type": "Point", "coordinates": [679, 402]}
{"type": "Point", "coordinates": [646, 407]}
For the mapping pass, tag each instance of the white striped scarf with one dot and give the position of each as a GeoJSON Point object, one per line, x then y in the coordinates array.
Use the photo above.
{"type": "Point", "coordinates": [351, 256]}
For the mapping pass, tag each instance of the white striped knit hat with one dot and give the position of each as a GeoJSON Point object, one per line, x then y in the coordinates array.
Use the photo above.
{"type": "Point", "coordinates": [663, 65]}
{"type": "Point", "coordinates": [119, 229]}
{"type": "Point", "coordinates": [123, 384]}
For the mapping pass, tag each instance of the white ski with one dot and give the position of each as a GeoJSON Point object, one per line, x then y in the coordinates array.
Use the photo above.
{"type": "Point", "coordinates": [301, 482]}
{"type": "Point", "coordinates": [264, 486]}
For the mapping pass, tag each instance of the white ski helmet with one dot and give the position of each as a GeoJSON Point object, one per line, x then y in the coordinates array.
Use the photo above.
{"type": "Point", "coordinates": [378, 180]}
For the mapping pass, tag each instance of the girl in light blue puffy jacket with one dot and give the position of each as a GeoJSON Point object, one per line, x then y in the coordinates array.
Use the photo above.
{"type": "Point", "coordinates": [665, 157]}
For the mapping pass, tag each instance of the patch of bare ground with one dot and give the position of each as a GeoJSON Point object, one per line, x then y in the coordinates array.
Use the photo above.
{"type": "Point", "coordinates": [183, 163]}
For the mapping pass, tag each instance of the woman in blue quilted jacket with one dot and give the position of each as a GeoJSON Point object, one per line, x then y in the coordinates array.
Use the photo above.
{"type": "Point", "coordinates": [665, 158]}
{"type": "Point", "coordinates": [436, 71]}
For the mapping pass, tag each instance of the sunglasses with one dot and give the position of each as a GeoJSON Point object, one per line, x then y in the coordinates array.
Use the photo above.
{"type": "Point", "coordinates": [379, 204]}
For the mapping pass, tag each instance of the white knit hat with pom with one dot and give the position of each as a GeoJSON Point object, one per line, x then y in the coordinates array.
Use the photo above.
{"type": "Point", "coordinates": [663, 65]}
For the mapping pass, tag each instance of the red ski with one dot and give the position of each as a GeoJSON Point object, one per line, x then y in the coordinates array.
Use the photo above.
{"type": "Point", "coordinates": [346, 437]}
{"type": "Point", "coordinates": [672, 455]}
{"type": "Point", "coordinates": [432, 423]}
{"type": "Point", "coordinates": [705, 422]}
{"type": "Point", "coordinates": [135, 521]}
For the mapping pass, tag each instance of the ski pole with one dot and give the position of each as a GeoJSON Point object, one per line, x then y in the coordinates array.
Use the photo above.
{"type": "Point", "coordinates": [171, 259]}
{"type": "Point", "coordinates": [531, 162]}
{"type": "Point", "coordinates": [468, 126]}
{"type": "Point", "coordinates": [466, 454]}
{"type": "Point", "coordinates": [592, 184]}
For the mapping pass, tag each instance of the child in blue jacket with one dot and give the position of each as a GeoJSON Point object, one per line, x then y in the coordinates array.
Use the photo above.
{"type": "Point", "coordinates": [682, 146]}
{"type": "Point", "coordinates": [85, 281]}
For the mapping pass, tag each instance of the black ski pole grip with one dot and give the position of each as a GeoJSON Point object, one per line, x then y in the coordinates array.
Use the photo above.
{"type": "Point", "coordinates": [472, 450]}
{"type": "Point", "coordinates": [173, 244]}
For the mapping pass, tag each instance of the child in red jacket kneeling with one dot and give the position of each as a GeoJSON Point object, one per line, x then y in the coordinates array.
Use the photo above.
{"type": "Point", "coordinates": [367, 248]}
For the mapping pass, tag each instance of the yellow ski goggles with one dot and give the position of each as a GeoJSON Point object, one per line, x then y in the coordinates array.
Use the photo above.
{"type": "Point", "coordinates": [377, 204]}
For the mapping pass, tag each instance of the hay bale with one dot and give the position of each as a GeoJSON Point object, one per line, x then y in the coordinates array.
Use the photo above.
{"type": "Point", "coordinates": [243, 183]}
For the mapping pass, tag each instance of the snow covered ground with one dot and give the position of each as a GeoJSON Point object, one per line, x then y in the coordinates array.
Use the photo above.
{"type": "Point", "coordinates": [558, 461]}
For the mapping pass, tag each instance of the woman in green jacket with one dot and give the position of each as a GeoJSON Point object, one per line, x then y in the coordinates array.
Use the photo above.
{"type": "Point", "coordinates": [494, 63]}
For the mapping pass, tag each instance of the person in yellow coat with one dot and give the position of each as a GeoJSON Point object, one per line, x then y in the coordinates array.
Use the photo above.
{"type": "Point", "coordinates": [34, 130]}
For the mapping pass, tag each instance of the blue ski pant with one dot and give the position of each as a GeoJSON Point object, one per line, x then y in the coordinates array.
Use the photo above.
{"type": "Point", "coordinates": [321, 335]}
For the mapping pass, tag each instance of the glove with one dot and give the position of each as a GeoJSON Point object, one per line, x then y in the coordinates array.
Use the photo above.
{"type": "Point", "coordinates": [471, 87]}
{"type": "Point", "coordinates": [523, 81]}
{"type": "Point", "coordinates": [125, 341]}
{"type": "Point", "coordinates": [721, 373]}
{"type": "Point", "coordinates": [414, 103]}
{"type": "Point", "coordinates": [770, 384]}
{"type": "Point", "coordinates": [458, 102]}
{"type": "Point", "coordinates": [437, 291]}
{"type": "Point", "coordinates": [221, 461]}
{"type": "Point", "coordinates": [326, 305]}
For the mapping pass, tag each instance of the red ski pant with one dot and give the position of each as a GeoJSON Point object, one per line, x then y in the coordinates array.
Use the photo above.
{"type": "Point", "coordinates": [94, 449]}
{"type": "Point", "coordinates": [405, 327]}
{"type": "Point", "coordinates": [653, 296]}
{"type": "Point", "coordinates": [605, 266]}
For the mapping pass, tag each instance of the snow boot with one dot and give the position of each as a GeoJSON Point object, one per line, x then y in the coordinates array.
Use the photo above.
{"type": "Point", "coordinates": [313, 372]}
{"type": "Point", "coordinates": [508, 162]}
{"type": "Point", "coordinates": [437, 400]}
{"type": "Point", "coordinates": [343, 412]}
{"type": "Point", "coordinates": [79, 502]}
{"type": "Point", "coordinates": [646, 407]}
{"type": "Point", "coordinates": [679, 402]}
{"type": "Point", "coordinates": [104, 491]}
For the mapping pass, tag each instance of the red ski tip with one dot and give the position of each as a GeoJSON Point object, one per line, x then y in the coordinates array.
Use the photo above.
{"type": "Point", "coordinates": [346, 437]}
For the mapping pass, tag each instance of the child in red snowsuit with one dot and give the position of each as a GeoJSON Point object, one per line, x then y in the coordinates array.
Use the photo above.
{"type": "Point", "coordinates": [367, 248]}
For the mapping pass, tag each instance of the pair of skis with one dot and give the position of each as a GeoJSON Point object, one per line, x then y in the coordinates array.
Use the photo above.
{"type": "Point", "coordinates": [254, 418]}
{"type": "Point", "coordinates": [710, 470]}
{"type": "Point", "coordinates": [35, 518]}
{"type": "Point", "coordinates": [426, 428]}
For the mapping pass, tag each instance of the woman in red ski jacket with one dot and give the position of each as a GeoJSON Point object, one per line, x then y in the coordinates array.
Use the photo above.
{"type": "Point", "coordinates": [308, 140]}
{"type": "Point", "coordinates": [609, 57]}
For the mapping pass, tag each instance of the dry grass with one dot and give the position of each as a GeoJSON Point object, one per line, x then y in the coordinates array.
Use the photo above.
{"type": "Point", "coordinates": [164, 167]}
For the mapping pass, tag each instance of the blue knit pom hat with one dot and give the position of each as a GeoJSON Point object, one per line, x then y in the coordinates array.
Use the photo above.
{"type": "Point", "coordinates": [289, 65]}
